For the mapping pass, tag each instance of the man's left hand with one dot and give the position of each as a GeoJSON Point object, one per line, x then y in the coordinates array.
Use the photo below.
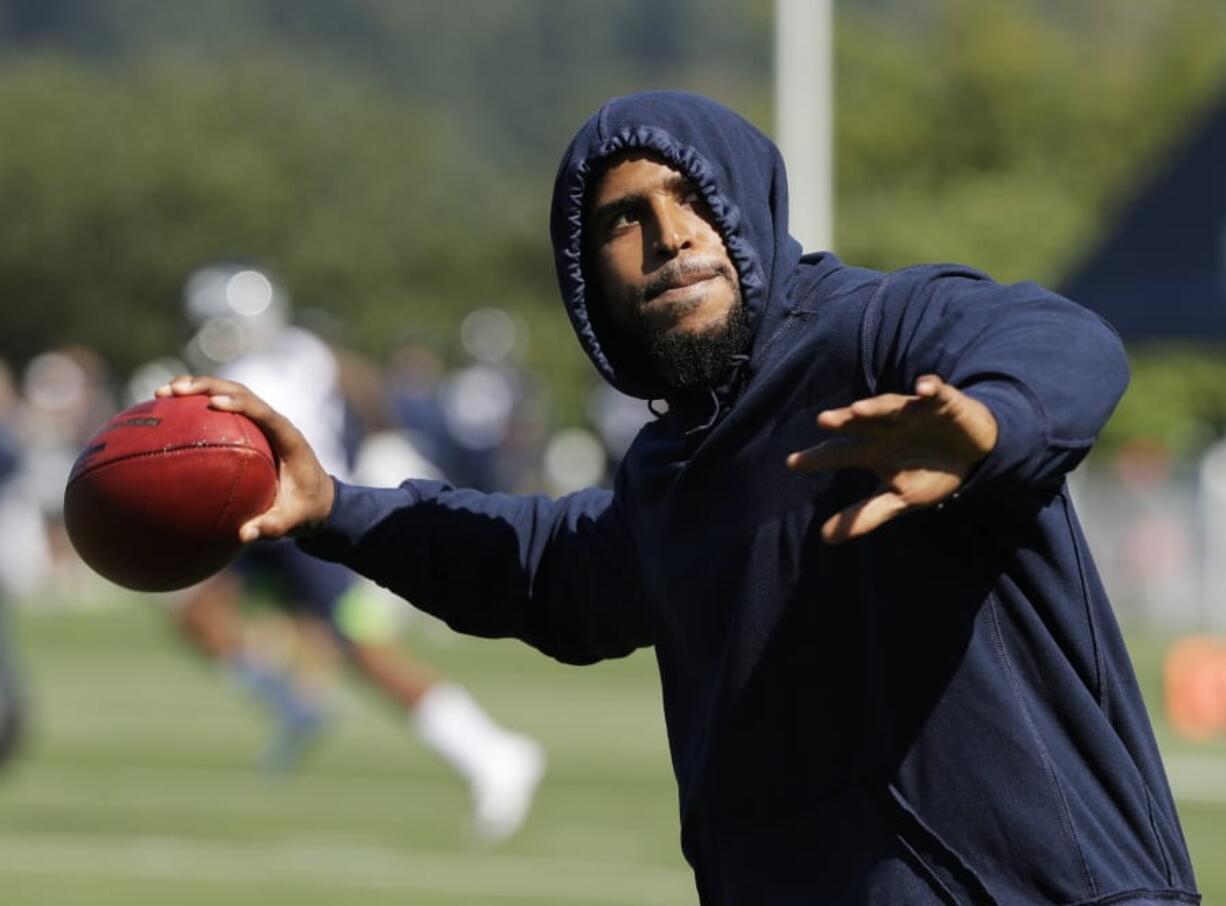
{"type": "Point", "coordinates": [921, 447]}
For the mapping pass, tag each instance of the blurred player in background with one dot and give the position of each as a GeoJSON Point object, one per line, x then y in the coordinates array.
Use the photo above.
{"type": "Point", "coordinates": [64, 397]}
{"type": "Point", "coordinates": [243, 333]}
{"type": "Point", "coordinates": [11, 699]}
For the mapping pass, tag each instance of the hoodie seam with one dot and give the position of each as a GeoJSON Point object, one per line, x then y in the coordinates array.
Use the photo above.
{"type": "Point", "coordinates": [793, 316]}
{"type": "Point", "coordinates": [1040, 748]}
{"type": "Point", "coordinates": [1139, 895]}
{"type": "Point", "coordinates": [786, 325]}
{"type": "Point", "coordinates": [1102, 696]}
{"type": "Point", "coordinates": [1102, 687]}
{"type": "Point", "coordinates": [868, 332]}
{"type": "Point", "coordinates": [602, 122]}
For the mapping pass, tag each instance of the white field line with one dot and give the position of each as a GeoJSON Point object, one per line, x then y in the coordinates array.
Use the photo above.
{"type": "Point", "coordinates": [619, 838]}
{"type": "Point", "coordinates": [226, 788]}
{"type": "Point", "coordinates": [343, 865]}
{"type": "Point", "coordinates": [239, 800]}
{"type": "Point", "coordinates": [1193, 777]}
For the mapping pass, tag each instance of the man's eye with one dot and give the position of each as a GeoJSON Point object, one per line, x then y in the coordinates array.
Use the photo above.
{"type": "Point", "coordinates": [622, 220]}
{"type": "Point", "coordinates": [692, 198]}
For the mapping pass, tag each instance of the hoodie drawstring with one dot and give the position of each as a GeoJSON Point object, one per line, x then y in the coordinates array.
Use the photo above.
{"type": "Point", "coordinates": [729, 388]}
{"type": "Point", "coordinates": [719, 408]}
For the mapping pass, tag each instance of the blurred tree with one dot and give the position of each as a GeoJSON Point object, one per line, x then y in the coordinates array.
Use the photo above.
{"type": "Point", "coordinates": [393, 160]}
{"type": "Point", "coordinates": [1005, 132]}
{"type": "Point", "coordinates": [1177, 397]}
{"type": "Point", "coordinates": [117, 187]}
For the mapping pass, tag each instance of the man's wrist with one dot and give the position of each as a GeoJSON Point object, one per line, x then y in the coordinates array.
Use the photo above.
{"type": "Point", "coordinates": [327, 506]}
{"type": "Point", "coordinates": [1021, 428]}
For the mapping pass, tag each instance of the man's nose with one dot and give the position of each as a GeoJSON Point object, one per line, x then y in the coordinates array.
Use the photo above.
{"type": "Point", "coordinates": [673, 230]}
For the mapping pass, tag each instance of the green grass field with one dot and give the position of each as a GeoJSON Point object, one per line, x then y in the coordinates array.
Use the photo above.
{"type": "Point", "coordinates": [138, 785]}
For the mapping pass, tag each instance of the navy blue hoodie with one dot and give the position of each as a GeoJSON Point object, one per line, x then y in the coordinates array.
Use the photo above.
{"type": "Point", "coordinates": [942, 711]}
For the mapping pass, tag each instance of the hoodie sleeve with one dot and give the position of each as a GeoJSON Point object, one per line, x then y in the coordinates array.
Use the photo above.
{"type": "Point", "coordinates": [557, 574]}
{"type": "Point", "coordinates": [1050, 371]}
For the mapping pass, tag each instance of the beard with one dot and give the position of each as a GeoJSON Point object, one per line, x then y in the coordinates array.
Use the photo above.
{"type": "Point", "coordinates": [682, 360]}
{"type": "Point", "coordinates": [672, 359]}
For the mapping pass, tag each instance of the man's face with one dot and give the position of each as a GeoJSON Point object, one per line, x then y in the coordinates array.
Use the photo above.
{"type": "Point", "coordinates": [661, 267]}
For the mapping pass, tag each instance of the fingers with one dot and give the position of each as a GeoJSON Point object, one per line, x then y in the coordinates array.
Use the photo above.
{"type": "Point", "coordinates": [304, 489]}
{"type": "Point", "coordinates": [299, 507]}
{"type": "Point", "coordinates": [271, 524]}
{"type": "Point", "coordinates": [229, 396]}
{"type": "Point", "coordinates": [837, 453]}
{"type": "Point", "coordinates": [912, 442]}
{"type": "Point", "coordinates": [276, 427]}
{"type": "Point", "coordinates": [190, 385]}
{"type": "Point", "coordinates": [864, 414]}
{"type": "Point", "coordinates": [874, 411]}
{"type": "Point", "coordinates": [976, 423]}
{"type": "Point", "coordinates": [863, 517]}
{"type": "Point", "coordinates": [928, 386]}
{"type": "Point", "coordinates": [943, 396]}
{"type": "Point", "coordinates": [865, 420]}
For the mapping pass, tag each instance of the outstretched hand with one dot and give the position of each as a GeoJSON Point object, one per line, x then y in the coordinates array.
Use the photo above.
{"type": "Point", "coordinates": [304, 489]}
{"type": "Point", "coordinates": [921, 447]}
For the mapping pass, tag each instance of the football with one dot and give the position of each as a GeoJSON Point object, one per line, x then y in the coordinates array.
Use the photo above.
{"type": "Point", "coordinates": [155, 500]}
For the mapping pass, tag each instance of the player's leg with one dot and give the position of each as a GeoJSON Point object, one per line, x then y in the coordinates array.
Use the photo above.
{"type": "Point", "coordinates": [501, 768]}
{"type": "Point", "coordinates": [12, 699]}
{"type": "Point", "coordinates": [208, 617]}
{"type": "Point", "coordinates": [210, 620]}
{"type": "Point", "coordinates": [399, 677]}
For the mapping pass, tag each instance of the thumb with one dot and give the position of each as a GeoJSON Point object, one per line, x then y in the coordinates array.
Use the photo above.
{"type": "Point", "coordinates": [930, 385]}
{"type": "Point", "coordinates": [271, 524]}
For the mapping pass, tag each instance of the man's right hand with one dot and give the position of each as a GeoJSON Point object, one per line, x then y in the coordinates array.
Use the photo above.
{"type": "Point", "coordinates": [304, 489]}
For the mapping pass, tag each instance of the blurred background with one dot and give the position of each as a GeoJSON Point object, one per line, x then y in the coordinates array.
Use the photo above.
{"type": "Point", "coordinates": [383, 168]}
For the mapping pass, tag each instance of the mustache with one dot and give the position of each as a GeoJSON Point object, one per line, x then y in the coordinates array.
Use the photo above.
{"type": "Point", "coordinates": [678, 270]}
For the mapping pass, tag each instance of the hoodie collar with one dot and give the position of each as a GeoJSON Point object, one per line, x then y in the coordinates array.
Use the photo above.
{"type": "Point", "coordinates": [741, 176]}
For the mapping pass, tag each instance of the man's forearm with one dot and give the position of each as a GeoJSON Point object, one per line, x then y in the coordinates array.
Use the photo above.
{"type": "Point", "coordinates": [1049, 371]}
{"type": "Point", "coordinates": [553, 573]}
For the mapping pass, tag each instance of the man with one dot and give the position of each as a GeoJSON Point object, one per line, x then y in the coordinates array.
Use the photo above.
{"type": "Point", "coordinates": [890, 672]}
{"type": "Point", "coordinates": [296, 371]}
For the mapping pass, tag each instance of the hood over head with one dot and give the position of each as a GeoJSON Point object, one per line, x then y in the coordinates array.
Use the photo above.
{"type": "Point", "coordinates": [739, 172]}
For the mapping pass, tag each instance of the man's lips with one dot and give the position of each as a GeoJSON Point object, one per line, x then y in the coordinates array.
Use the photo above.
{"type": "Point", "coordinates": [677, 288]}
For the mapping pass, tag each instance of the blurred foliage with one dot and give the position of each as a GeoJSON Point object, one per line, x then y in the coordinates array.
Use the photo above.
{"type": "Point", "coordinates": [115, 188]}
{"type": "Point", "coordinates": [1007, 134]}
{"type": "Point", "coordinates": [1000, 134]}
{"type": "Point", "coordinates": [393, 160]}
{"type": "Point", "coordinates": [1177, 397]}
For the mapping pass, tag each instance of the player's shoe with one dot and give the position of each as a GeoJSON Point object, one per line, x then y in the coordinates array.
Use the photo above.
{"type": "Point", "coordinates": [503, 790]}
{"type": "Point", "coordinates": [297, 732]}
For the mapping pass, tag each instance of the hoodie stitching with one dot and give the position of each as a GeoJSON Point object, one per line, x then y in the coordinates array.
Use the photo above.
{"type": "Point", "coordinates": [1102, 689]}
{"type": "Point", "coordinates": [1140, 895]}
{"type": "Point", "coordinates": [730, 389]}
{"type": "Point", "coordinates": [602, 121]}
{"type": "Point", "coordinates": [715, 414]}
{"type": "Point", "coordinates": [868, 332]}
{"type": "Point", "coordinates": [1062, 807]}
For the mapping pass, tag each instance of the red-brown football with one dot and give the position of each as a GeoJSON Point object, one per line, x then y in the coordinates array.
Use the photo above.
{"type": "Point", "coordinates": [155, 500]}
